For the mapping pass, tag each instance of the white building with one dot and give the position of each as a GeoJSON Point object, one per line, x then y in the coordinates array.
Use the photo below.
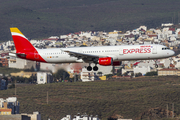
{"type": "Point", "coordinates": [34, 116]}
{"type": "Point", "coordinates": [167, 24]}
{"type": "Point", "coordinates": [166, 62]}
{"type": "Point", "coordinates": [21, 63]}
{"type": "Point", "coordinates": [63, 36]}
{"type": "Point", "coordinates": [142, 69]}
{"type": "Point", "coordinates": [34, 41]}
{"type": "Point", "coordinates": [82, 117]}
{"type": "Point", "coordinates": [143, 27]}
{"type": "Point", "coordinates": [177, 31]}
{"type": "Point", "coordinates": [12, 103]}
{"type": "Point", "coordinates": [146, 63]}
{"type": "Point", "coordinates": [68, 117]}
{"type": "Point", "coordinates": [86, 34]}
{"type": "Point", "coordinates": [87, 76]}
{"type": "Point", "coordinates": [113, 34]}
{"type": "Point", "coordinates": [23, 116]}
{"type": "Point", "coordinates": [44, 77]}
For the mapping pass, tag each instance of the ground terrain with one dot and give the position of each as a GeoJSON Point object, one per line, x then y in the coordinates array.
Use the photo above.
{"type": "Point", "coordinates": [131, 98]}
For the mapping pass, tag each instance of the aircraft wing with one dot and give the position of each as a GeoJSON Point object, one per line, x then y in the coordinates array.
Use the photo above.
{"type": "Point", "coordinates": [85, 57]}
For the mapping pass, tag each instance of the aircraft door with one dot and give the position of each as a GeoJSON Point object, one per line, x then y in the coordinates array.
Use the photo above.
{"type": "Point", "coordinates": [120, 51]}
{"type": "Point", "coordinates": [80, 51]}
{"type": "Point", "coordinates": [154, 49]}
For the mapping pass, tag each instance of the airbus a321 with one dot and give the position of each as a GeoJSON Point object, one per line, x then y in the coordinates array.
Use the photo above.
{"type": "Point", "coordinates": [103, 55]}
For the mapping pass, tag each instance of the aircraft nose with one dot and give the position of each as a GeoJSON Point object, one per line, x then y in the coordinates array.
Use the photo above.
{"type": "Point", "coordinates": [171, 53]}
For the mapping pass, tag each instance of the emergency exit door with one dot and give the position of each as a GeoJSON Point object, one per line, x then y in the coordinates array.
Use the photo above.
{"type": "Point", "coordinates": [154, 49]}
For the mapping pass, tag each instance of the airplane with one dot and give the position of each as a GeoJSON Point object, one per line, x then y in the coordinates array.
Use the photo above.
{"type": "Point", "coordinates": [102, 55]}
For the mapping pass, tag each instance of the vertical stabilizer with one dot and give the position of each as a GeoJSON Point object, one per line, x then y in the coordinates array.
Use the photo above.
{"type": "Point", "coordinates": [24, 49]}
{"type": "Point", "coordinates": [21, 43]}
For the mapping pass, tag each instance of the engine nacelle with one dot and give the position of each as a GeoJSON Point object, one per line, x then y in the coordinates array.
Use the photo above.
{"type": "Point", "coordinates": [105, 61]}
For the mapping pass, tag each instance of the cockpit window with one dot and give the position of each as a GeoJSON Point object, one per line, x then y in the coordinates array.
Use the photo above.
{"type": "Point", "coordinates": [166, 48]}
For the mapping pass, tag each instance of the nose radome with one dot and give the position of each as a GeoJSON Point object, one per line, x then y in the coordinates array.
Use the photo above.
{"type": "Point", "coordinates": [172, 53]}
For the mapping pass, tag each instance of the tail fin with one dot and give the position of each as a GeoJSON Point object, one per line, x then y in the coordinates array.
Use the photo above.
{"type": "Point", "coordinates": [22, 44]}
{"type": "Point", "coordinates": [24, 49]}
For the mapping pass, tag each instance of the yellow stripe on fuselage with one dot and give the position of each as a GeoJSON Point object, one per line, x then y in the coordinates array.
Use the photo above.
{"type": "Point", "coordinates": [15, 30]}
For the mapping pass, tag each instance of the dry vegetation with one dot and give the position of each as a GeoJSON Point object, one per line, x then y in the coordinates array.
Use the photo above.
{"type": "Point", "coordinates": [128, 98]}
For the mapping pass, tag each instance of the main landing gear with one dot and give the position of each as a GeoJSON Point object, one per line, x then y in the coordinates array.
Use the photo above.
{"type": "Point", "coordinates": [95, 68]}
{"type": "Point", "coordinates": [89, 68]}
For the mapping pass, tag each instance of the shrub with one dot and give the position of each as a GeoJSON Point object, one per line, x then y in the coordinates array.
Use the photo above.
{"type": "Point", "coordinates": [153, 73]}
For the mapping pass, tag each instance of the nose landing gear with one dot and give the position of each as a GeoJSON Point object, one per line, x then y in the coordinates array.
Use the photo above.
{"type": "Point", "coordinates": [156, 65]}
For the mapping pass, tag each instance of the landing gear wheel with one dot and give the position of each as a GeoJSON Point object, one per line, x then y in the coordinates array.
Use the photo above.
{"type": "Point", "coordinates": [95, 68]}
{"type": "Point", "coordinates": [89, 68]}
{"type": "Point", "coordinates": [156, 66]}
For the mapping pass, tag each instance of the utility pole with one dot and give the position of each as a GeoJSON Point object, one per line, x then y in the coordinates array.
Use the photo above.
{"type": "Point", "coordinates": [75, 77]}
{"type": "Point", "coordinates": [15, 87]}
{"type": "Point", "coordinates": [47, 97]}
{"type": "Point", "coordinates": [167, 111]}
{"type": "Point", "coordinates": [172, 110]}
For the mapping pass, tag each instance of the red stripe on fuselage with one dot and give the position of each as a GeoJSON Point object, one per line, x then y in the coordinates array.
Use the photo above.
{"type": "Point", "coordinates": [31, 56]}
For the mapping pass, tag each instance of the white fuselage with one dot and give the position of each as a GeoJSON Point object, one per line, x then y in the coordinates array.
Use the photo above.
{"type": "Point", "coordinates": [118, 53]}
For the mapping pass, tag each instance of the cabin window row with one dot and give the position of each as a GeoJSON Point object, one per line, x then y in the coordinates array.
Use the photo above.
{"type": "Point", "coordinates": [100, 51]}
{"type": "Point", "coordinates": [83, 52]}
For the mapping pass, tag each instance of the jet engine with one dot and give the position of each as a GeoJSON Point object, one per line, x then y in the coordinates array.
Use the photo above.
{"type": "Point", "coordinates": [107, 61]}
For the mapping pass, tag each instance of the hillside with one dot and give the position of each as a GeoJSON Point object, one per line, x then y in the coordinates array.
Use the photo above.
{"type": "Point", "coordinates": [44, 18]}
{"type": "Point", "coordinates": [130, 98]}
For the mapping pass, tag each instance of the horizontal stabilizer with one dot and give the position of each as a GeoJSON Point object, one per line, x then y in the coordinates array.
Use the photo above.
{"type": "Point", "coordinates": [17, 54]}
